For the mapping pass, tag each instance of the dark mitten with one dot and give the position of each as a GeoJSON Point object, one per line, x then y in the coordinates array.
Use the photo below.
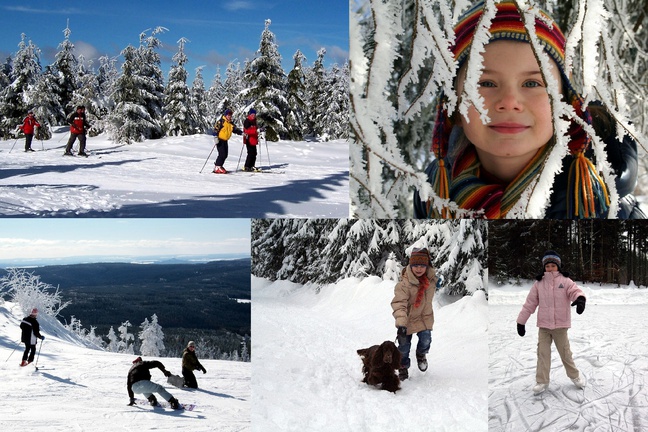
{"type": "Point", "coordinates": [167, 373]}
{"type": "Point", "coordinates": [580, 304]}
{"type": "Point", "coordinates": [402, 331]}
{"type": "Point", "coordinates": [521, 330]}
{"type": "Point", "coordinates": [204, 370]}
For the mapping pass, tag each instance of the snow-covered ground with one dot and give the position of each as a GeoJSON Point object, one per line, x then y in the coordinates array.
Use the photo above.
{"type": "Point", "coordinates": [307, 375]}
{"type": "Point", "coordinates": [79, 389]}
{"type": "Point", "coordinates": [608, 342]}
{"type": "Point", "coordinates": [161, 178]}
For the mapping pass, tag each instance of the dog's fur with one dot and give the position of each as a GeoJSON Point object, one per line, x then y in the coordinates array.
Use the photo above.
{"type": "Point", "coordinates": [380, 365]}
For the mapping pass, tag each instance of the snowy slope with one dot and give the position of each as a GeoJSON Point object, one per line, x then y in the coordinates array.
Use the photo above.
{"type": "Point", "coordinates": [307, 375]}
{"type": "Point", "coordinates": [608, 342]}
{"type": "Point", "coordinates": [161, 178]}
{"type": "Point", "coordinates": [79, 389]}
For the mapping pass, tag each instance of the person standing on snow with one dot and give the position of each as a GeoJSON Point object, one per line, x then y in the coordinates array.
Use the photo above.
{"type": "Point", "coordinates": [223, 131]}
{"type": "Point", "coordinates": [552, 294]}
{"type": "Point", "coordinates": [250, 139]}
{"type": "Point", "coordinates": [412, 306]}
{"type": "Point", "coordinates": [27, 127]}
{"type": "Point", "coordinates": [139, 381]}
{"type": "Point", "coordinates": [78, 127]}
{"type": "Point", "coordinates": [30, 334]}
{"type": "Point", "coordinates": [190, 363]}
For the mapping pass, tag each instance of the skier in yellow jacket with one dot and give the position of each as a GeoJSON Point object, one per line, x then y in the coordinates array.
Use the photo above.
{"type": "Point", "coordinates": [223, 131]}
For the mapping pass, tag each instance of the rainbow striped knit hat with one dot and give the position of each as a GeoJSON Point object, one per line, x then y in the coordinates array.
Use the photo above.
{"type": "Point", "coordinates": [508, 25]}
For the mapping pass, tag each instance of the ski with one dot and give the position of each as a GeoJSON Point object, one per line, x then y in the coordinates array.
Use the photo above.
{"type": "Point", "coordinates": [165, 404]}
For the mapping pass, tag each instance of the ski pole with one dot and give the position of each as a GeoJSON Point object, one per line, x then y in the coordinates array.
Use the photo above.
{"type": "Point", "coordinates": [14, 350]}
{"type": "Point", "coordinates": [38, 356]}
{"type": "Point", "coordinates": [14, 145]}
{"type": "Point", "coordinates": [210, 153]}
{"type": "Point", "coordinates": [267, 151]}
{"type": "Point", "coordinates": [240, 156]}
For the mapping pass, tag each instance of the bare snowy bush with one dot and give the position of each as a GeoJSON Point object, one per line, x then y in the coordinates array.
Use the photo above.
{"type": "Point", "coordinates": [27, 290]}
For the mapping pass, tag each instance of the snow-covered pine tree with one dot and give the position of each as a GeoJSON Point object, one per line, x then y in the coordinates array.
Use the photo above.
{"type": "Point", "coordinates": [267, 91]}
{"type": "Point", "coordinates": [463, 259]}
{"type": "Point", "coordinates": [317, 95]}
{"type": "Point", "coordinates": [152, 337]}
{"type": "Point", "coordinates": [335, 118]}
{"type": "Point", "coordinates": [113, 341]}
{"type": "Point", "coordinates": [126, 339]}
{"type": "Point", "coordinates": [232, 88]}
{"type": "Point", "coordinates": [66, 69]}
{"type": "Point", "coordinates": [296, 92]}
{"type": "Point", "coordinates": [199, 104]}
{"type": "Point", "coordinates": [150, 79]}
{"type": "Point", "coordinates": [25, 70]}
{"type": "Point", "coordinates": [44, 98]}
{"type": "Point", "coordinates": [179, 117]}
{"type": "Point", "coordinates": [87, 94]}
{"type": "Point", "coordinates": [130, 120]}
{"type": "Point", "coordinates": [215, 97]}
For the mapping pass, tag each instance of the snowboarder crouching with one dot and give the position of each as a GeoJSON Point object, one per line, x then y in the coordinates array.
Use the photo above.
{"type": "Point", "coordinates": [223, 131]}
{"type": "Point", "coordinates": [139, 381]}
{"type": "Point", "coordinates": [412, 309]}
{"type": "Point", "coordinates": [30, 333]}
{"type": "Point", "coordinates": [190, 363]}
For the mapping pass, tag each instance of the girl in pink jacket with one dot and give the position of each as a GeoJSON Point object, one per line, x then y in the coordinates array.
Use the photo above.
{"type": "Point", "coordinates": [553, 294]}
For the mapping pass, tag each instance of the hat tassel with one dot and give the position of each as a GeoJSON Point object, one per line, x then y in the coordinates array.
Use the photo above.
{"type": "Point", "coordinates": [440, 185]}
{"type": "Point", "coordinates": [587, 189]}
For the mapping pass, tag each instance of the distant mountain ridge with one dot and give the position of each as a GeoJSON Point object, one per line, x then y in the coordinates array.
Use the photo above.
{"type": "Point", "coordinates": [145, 259]}
{"type": "Point", "coordinates": [200, 296]}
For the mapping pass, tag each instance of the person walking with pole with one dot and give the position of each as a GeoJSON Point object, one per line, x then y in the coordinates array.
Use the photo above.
{"type": "Point", "coordinates": [78, 128]}
{"type": "Point", "coordinates": [224, 129]}
{"type": "Point", "coordinates": [30, 334]}
{"type": "Point", "coordinates": [251, 140]}
{"type": "Point", "coordinates": [28, 126]}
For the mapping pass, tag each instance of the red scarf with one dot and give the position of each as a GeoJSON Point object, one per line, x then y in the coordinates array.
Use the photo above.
{"type": "Point", "coordinates": [424, 283]}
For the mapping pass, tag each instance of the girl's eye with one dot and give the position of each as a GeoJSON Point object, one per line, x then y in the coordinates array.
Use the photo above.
{"type": "Point", "coordinates": [532, 84]}
{"type": "Point", "coordinates": [486, 84]}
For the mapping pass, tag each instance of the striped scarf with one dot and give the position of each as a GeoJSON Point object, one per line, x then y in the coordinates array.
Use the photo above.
{"type": "Point", "coordinates": [471, 192]}
{"type": "Point", "coordinates": [424, 284]}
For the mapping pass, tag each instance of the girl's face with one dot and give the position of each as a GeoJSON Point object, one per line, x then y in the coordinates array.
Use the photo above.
{"type": "Point", "coordinates": [518, 106]}
{"type": "Point", "coordinates": [551, 267]}
{"type": "Point", "coordinates": [419, 270]}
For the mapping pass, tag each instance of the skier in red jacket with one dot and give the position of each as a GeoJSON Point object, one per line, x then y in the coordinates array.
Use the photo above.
{"type": "Point", "coordinates": [27, 127]}
{"type": "Point", "coordinates": [78, 127]}
{"type": "Point", "coordinates": [250, 139]}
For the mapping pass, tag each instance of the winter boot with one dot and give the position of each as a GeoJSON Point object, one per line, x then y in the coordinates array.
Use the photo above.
{"type": "Point", "coordinates": [68, 153]}
{"type": "Point", "coordinates": [82, 153]}
{"type": "Point", "coordinates": [539, 388]}
{"type": "Point", "coordinates": [153, 401]}
{"type": "Point", "coordinates": [403, 374]}
{"type": "Point", "coordinates": [579, 381]}
{"type": "Point", "coordinates": [422, 362]}
{"type": "Point", "coordinates": [174, 403]}
{"type": "Point", "coordinates": [219, 170]}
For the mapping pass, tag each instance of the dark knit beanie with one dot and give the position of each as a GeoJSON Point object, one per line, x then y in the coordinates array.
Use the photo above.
{"type": "Point", "coordinates": [420, 257]}
{"type": "Point", "coordinates": [551, 257]}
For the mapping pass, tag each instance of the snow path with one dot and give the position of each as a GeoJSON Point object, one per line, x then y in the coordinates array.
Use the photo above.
{"type": "Point", "coordinates": [307, 374]}
{"type": "Point", "coordinates": [161, 178]}
{"type": "Point", "coordinates": [79, 389]}
{"type": "Point", "coordinates": [608, 346]}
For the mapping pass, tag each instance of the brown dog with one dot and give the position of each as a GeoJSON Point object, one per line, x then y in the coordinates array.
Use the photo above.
{"type": "Point", "coordinates": [380, 365]}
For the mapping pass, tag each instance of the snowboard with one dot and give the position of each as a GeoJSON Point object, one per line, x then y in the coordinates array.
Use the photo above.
{"type": "Point", "coordinates": [165, 404]}
{"type": "Point", "coordinates": [176, 380]}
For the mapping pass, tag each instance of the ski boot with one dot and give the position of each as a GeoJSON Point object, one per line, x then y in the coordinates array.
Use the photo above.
{"type": "Point", "coordinates": [174, 403]}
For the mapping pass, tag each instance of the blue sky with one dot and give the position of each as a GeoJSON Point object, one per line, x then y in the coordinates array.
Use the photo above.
{"type": "Point", "coordinates": [57, 238]}
{"type": "Point", "coordinates": [218, 31]}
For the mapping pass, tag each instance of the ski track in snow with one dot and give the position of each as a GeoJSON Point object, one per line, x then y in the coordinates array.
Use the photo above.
{"type": "Point", "coordinates": [307, 374]}
{"type": "Point", "coordinates": [608, 343]}
{"type": "Point", "coordinates": [161, 178]}
{"type": "Point", "coordinates": [79, 389]}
